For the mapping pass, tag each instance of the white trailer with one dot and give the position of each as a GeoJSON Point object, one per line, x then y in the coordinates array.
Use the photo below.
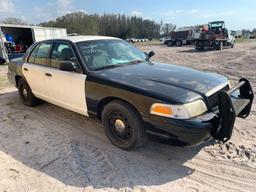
{"type": "Point", "coordinates": [26, 35]}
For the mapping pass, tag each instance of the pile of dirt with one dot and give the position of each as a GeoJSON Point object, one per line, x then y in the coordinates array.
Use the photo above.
{"type": "Point", "coordinates": [236, 153]}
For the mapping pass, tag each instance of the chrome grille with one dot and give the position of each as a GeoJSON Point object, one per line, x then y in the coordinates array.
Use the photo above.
{"type": "Point", "coordinates": [213, 99]}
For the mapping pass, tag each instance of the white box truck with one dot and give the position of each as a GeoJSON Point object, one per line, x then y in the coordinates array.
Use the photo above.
{"type": "Point", "coordinates": [15, 39]}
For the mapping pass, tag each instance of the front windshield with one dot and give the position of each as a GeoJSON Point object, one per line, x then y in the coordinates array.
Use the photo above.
{"type": "Point", "coordinates": [100, 54]}
{"type": "Point", "coordinates": [216, 25]}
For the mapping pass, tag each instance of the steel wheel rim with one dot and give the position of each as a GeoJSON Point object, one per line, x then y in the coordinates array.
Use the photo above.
{"type": "Point", "coordinates": [120, 127]}
{"type": "Point", "coordinates": [24, 93]}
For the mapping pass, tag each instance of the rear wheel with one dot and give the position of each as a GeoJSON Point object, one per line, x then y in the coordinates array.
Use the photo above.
{"type": "Point", "coordinates": [123, 125]}
{"type": "Point", "coordinates": [26, 94]}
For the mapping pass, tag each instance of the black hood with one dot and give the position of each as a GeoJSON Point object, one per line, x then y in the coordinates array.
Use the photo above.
{"type": "Point", "coordinates": [165, 81]}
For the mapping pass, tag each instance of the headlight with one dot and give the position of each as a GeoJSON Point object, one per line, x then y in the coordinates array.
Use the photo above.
{"type": "Point", "coordinates": [185, 111]}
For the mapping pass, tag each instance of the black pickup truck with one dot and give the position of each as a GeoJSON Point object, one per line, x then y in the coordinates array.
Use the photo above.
{"type": "Point", "coordinates": [131, 95]}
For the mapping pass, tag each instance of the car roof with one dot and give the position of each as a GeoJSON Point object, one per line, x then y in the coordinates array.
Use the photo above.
{"type": "Point", "coordinates": [79, 38]}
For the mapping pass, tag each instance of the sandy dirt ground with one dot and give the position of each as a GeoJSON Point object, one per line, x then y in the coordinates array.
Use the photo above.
{"type": "Point", "coordinates": [51, 149]}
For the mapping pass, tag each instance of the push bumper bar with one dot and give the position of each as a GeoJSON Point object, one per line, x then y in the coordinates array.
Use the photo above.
{"type": "Point", "coordinates": [232, 106]}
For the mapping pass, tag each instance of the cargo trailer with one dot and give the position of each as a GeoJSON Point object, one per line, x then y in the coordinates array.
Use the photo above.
{"type": "Point", "coordinates": [15, 39]}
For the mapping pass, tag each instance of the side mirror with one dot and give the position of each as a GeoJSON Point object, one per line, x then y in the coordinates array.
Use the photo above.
{"type": "Point", "coordinates": [67, 66]}
{"type": "Point", "coordinates": [151, 54]}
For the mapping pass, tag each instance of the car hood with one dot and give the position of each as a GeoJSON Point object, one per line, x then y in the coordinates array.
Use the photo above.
{"type": "Point", "coordinates": [164, 81]}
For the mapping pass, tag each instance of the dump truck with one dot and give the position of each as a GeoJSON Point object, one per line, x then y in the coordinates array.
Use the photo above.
{"type": "Point", "coordinates": [183, 36]}
{"type": "Point", "coordinates": [16, 39]}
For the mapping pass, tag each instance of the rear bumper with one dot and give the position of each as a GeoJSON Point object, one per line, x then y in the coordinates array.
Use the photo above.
{"type": "Point", "coordinates": [218, 124]}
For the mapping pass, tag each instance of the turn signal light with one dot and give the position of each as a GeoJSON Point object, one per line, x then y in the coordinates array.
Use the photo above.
{"type": "Point", "coordinates": [162, 109]}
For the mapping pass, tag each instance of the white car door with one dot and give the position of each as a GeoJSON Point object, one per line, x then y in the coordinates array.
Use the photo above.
{"type": "Point", "coordinates": [35, 68]}
{"type": "Point", "coordinates": [65, 89]}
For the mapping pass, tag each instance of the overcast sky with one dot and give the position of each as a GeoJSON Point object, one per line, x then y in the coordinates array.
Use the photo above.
{"type": "Point", "coordinates": [238, 14]}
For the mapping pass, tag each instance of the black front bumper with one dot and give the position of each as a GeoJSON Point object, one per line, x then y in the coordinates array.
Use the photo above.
{"type": "Point", "coordinates": [231, 106]}
{"type": "Point", "coordinates": [218, 124]}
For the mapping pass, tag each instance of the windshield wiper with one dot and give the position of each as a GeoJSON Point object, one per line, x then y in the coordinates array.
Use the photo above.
{"type": "Point", "coordinates": [135, 61]}
{"type": "Point", "coordinates": [118, 65]}
{"type": "Point", "coordinates": [106, 67]}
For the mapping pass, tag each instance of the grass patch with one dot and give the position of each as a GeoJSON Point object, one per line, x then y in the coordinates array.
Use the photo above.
{"type": "Point", "coordinates": [153, 42]}
{"type": "Point", "coordinates": [245, 40]}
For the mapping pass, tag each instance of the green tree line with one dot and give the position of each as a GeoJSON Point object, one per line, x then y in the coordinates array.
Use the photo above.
{"type": "Point", "coordinates": [118, 25]}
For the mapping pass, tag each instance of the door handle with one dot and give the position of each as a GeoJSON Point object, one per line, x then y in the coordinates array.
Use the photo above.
{"type": "Point", "coordinates": [25, 69]}
{"type": "Point", "coordinates": [48, 74]}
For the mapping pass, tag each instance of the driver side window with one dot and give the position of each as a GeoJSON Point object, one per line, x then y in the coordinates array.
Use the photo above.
{"type": "Point", "coordinates": [62, 52]}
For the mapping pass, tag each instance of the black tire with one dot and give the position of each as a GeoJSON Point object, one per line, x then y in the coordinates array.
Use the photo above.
{"type": "Point", "coordinates": [169, 43]}
{"type": "Point", "coordinates": [123, 125]}
{"type": "Point", "coordinates": [201, 48]}
{"type": "Point", "coordinates": [26, 94]}
{"type": "Point", "coordinates": [178, 43]}
{"type": "Point", "coordinates": [232, 45]}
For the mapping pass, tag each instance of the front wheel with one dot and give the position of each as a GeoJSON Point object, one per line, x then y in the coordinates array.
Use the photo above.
{"type": "Point", "coordinates": [123, 125]}
{"type": "Point", "coordinates": [26, 94]}
{"type": "Point", "coordinates": [178, 43]}
{"type": "Point", "coordinates": [169, 43]}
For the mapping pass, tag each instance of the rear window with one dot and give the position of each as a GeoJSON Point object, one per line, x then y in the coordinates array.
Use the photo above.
{"type": "Point", "coordinates": [42, 54]}
{"type": "Point", "coordinates": [32, 56]}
